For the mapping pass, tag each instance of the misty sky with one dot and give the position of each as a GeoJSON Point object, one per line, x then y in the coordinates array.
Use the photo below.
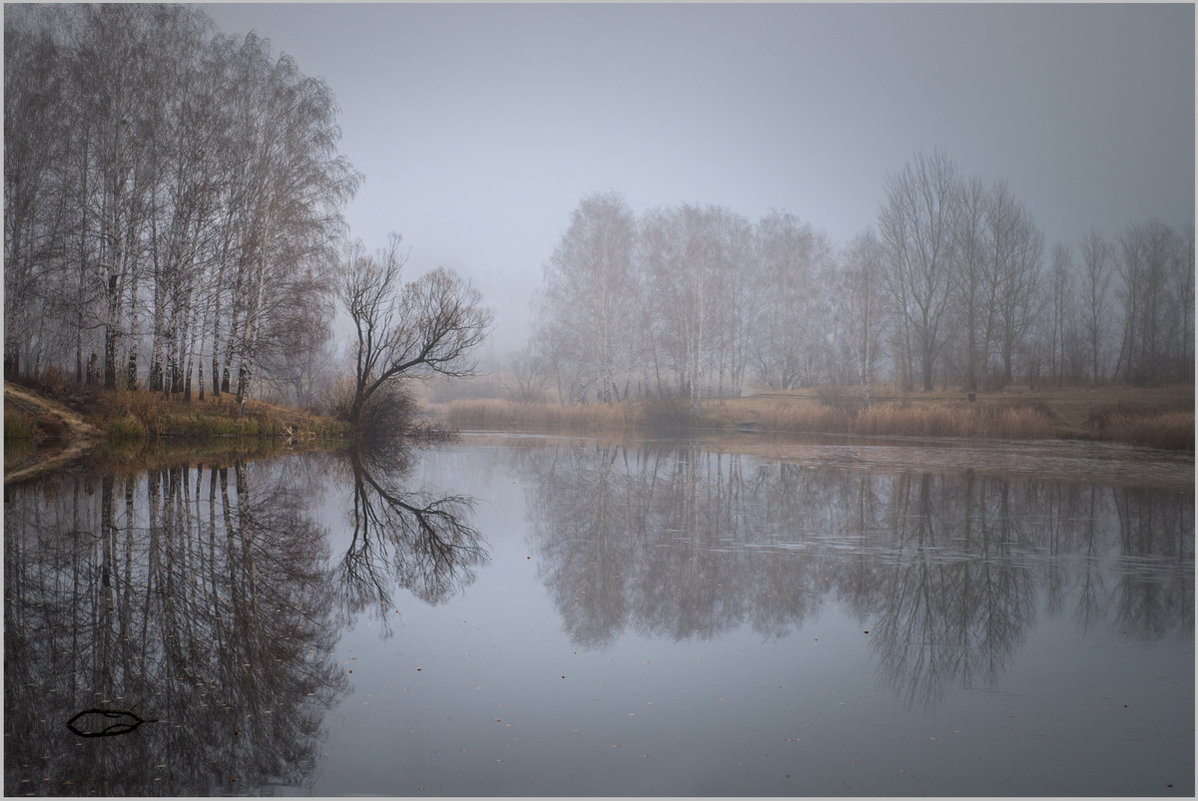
{"type": "Point", "coordinates": [480, 127]}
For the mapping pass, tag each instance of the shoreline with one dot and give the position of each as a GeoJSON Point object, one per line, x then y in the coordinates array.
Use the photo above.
{"type": "Point", "coordinates": [1158, 419]}
{"type": "Point", "coordinates": [1161, 418]}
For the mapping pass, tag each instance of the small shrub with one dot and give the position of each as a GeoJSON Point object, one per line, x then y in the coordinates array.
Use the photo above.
{"type": "Point", "coordinates": [52, 426]}
{"type": "Point", "coordinates": [125, 429]}
{"type": "Point", "coordinates": [667, 415]}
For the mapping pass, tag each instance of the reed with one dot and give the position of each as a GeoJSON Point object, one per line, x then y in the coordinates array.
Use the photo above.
{"type": "Point", "coordinates": [1168, 430]}
{"type": "Point", "coordinates": [787, 416]}
{"type": "Point", "coordinates": [498, 414]}
{"type": "Point", "coordinates": [1018, 423]}
{"type": "Point", "coordinates": [792, 418]}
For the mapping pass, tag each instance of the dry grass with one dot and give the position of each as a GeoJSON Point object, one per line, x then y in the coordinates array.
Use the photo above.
{"type": "Point", "coordinates": [1170, 430]}
{"type": "Point", "coordinates": [504, 415]}
{"type": "Point", "coordinates": [1161, 417]}
{"type": "Point", "coordinates": [130, 414]}
{"type": "Point", "coordinates": [18, 426]}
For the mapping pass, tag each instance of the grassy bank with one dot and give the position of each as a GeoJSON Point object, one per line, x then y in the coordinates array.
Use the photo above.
{"type": "Point", "coordinates": [124, 415]}
{"type": "Point", "coordinates": [42, 429]}
{"type": "Point", "coordinates": [1160, 417]}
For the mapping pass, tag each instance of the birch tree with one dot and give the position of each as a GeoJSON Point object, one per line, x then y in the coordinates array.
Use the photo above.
{"type": "Point", "coordinates": [789, 256]}
{"type": "Point", "coordinates": [590, 292]}
{"type": "Point", "coordinates": [294, 184]}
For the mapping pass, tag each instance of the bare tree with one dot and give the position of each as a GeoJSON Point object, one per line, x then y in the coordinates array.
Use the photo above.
{"type": "Point", "coordinates": [1183, 296]}
{"type": "Point", "coordinates": [590, 289]}
{"type": "Point", "coordinates": [788, 258]}
{"type": "Point", "coordinates": [418, 329]}
{"type": "Point", "coordinates": [918, 224]}
{"type": "Point", "coordinates": [1146, 254]}
{"type": "Point", "coordinates": [695, 271]}
{"type": "Point", "coordinates": [1096, 280]}
{"type": "Point", "coordinates": [162, 185]}
{"type": "Point", "coordinates": [1016, 250]}
{"type": "Point", "coordinates": [860, 307]}
{"type": "Point", "coordinates": [1060, 318]}
{"type": "Point", "coordinates": [526, 376]}
{"type": "Point", "coordinates": [295, 184]}
{"type": "Point", "coordinates": [972, 309]}
{"type": "Point", "coordinates": [32, 148]}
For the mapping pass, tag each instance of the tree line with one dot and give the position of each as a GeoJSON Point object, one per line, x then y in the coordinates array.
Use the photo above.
{"type": "Point", "coordinates": [951, 285]}
{"type": "Point", "coordinates": [172, 200]}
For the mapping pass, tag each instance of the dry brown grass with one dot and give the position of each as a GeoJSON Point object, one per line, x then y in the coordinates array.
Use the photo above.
{"type": "Point", "coordinates": [504, 415]}
{"type": "Point", "coordinates": [1170, 430]}
{"type": "Point", "coordinates": [1160, 417]}
{"type": "Point", "coordinates": [127, 413]}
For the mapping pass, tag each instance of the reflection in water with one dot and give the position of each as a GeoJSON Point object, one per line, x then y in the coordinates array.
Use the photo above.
{"type": "Point", "coordinates": [206, 600]}
{"type": "Point", "coordinates": [672, 540]}
{"type": "Point", "coordinates": [197, 597]}
{"type": "Point", "coordinates": [417, 540]}
{"type": "Point", "coordinates": [202, 600]}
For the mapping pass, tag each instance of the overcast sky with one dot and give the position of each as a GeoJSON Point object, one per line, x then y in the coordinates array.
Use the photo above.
{"type": "Point", "coordinates": [479, 128]}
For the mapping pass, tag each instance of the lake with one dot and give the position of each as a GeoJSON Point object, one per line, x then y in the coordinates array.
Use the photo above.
{"type": "Point", "coordinates": [520, 615]}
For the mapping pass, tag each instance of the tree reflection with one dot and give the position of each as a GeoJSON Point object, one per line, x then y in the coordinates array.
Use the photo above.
{"type": "Point", "coordinates": [1155, 593]}
{"type": "Point", "coordinates": [955, 600]}
{"type": "Point", "coordinates": [414, 539]}
{"type": "Point", "coordinates": [197, 596]}
{"type": "Point", "coordinates": [951, 570]}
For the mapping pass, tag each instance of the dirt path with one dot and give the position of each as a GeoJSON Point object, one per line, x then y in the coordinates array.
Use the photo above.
{"type": "Point", "coordinates": [80, 435]}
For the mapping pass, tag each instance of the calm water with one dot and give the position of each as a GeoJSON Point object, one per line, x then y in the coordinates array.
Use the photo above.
{"type": "Point", "coordinates": [543, 616]}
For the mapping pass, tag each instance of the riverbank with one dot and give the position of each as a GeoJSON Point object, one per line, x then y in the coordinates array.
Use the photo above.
{"type": "Point", "coordinates": [43, 430]}
{"type": "Point", "coordinates": [1156, 417]}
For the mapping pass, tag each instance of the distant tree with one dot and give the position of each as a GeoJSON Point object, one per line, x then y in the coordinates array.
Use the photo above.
{"type": "Point", "coordinates": [1146, 259]}
{"type": "Point", "coordinates": [1060, 321]}
{"type": "Point", "coordinates": [696, 262]}
{"type": "Point", "coordinates": [589, 299]}
{"type": "Point", "coordinates": [860, 307]}
{"type": "Point", "coordinates": [427, 326]}
{"type": "Point", "coordinates": [972, 312]}
{"type": "Point", "coordinates": [526, 377]}
{"type": "Point", "coordinates": [1016, 251]}
{"type": "Point", "coordinates": [1095, 284]}
{"type": "Point", "coordinates": [1183, 297]}
{"type": "Point", "coordinates": [918, 224]}
{"type": "Point", "coordinates": [788, 257]}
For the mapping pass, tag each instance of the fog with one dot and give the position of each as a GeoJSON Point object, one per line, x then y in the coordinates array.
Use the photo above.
{"type": "Point", "coordinates": [479, 128]}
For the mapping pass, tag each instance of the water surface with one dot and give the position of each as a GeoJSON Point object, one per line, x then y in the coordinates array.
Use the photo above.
{"type": "Point", "coordinates": [548, 616]}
